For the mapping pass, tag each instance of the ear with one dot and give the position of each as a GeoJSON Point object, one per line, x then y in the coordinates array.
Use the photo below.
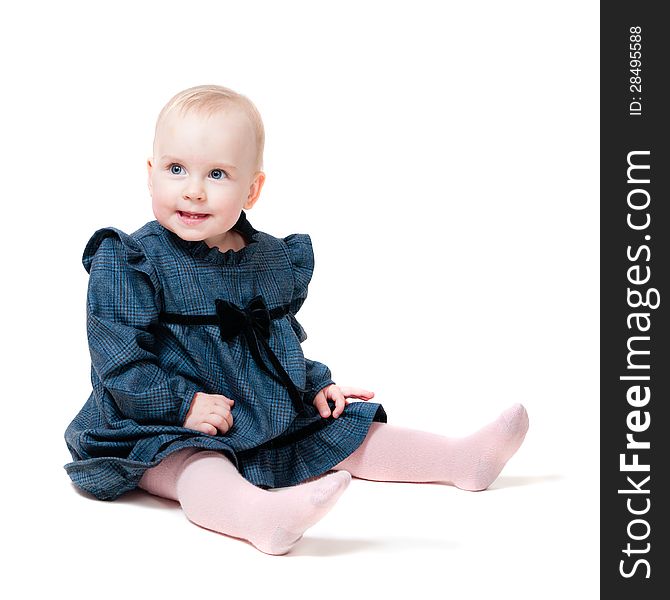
{"type": "Point", "coordinates": [255, 190]}
{"type": "Point", "coordinates": [150, 168]}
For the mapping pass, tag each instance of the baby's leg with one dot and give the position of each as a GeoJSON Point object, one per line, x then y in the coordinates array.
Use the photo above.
{"type": "Point", "coordinates": [391, 453]}
{"type": "Point", "coordinates": [215, 496]}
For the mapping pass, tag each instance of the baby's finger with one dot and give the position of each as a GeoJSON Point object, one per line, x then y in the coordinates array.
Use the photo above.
{"type": "Point", "coordinates": [228, 418]}
{"type": "Point", "coordinates": [322, 405]}
{"type": "Point", "coordinates": [224, 411]}
{"type": "Point", "coordinates": [340, 401]}
{"type": "Point", "coordinates": [222, 424]}
{"type": "Point", "coordinates": [224, 427]}
{"type": "Point", "coordinates": [223, 400]}
{"type": "Point", "coordinates": [206, 428]}
{"type": "Point", "coordinates": [360, 393]}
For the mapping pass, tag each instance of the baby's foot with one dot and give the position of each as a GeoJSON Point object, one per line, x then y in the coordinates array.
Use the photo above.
{"type": "Point", "coordinates": [289, 512]}
{"type": "Point", "coordinates": [481, 456]}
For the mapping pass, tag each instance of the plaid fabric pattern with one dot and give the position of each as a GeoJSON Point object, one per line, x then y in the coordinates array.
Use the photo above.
{"type": "Point", "coordinates": [145, 373]}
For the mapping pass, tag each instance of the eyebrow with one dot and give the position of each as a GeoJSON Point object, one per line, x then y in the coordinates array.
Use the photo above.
{"type": "Point", "coordinates": [218, 164]}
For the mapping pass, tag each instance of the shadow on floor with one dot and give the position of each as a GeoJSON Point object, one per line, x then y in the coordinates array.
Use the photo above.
{"type": "Point", "coordinates": [319, 546]}
{"type": "Point", "coordinates": [508, 482]}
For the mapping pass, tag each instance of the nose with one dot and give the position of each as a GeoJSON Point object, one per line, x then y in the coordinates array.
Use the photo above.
{"type": "Point", "coordinates": [194, 190]}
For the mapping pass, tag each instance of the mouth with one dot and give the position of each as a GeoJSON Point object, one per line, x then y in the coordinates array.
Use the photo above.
{"type": "Point", "coordinates": [192, 218]}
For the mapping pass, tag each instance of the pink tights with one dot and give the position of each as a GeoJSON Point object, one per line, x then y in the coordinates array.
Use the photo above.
{"type": "Point", "coordinates": [215, 496]}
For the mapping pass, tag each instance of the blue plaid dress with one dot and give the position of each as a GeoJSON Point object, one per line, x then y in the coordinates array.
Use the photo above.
{"type": "Point", "coordinates": [147, 365]}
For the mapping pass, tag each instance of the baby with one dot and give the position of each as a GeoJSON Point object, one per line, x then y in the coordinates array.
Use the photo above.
{"type": "Point", "coordinates": [201, 392]}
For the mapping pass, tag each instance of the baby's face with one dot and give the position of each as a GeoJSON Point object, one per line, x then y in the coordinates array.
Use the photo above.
{"type": "Point", "coordinates": [203, 174]}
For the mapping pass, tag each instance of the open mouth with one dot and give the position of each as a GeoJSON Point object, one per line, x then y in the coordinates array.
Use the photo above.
{"type": "Point", "coordinates": [190, 218]}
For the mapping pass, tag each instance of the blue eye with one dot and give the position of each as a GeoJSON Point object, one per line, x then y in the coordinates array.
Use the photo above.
{"type": "Point", "coordinates": [176, 169]}
{"type": "Point", "coordinates": [217, 174]}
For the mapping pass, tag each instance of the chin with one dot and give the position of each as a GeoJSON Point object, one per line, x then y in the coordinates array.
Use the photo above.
{"type": "Point", "coordinates": [185, 233]}
{"type": "Point", "coordinates": [188, 234]}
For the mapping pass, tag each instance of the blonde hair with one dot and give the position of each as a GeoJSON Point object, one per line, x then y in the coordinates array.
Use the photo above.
{"type": "Point", "coordinates": [209, 99]}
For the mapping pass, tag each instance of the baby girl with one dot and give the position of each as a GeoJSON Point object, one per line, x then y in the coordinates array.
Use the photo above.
{"type": "Point", "coordinates": [201, 392]}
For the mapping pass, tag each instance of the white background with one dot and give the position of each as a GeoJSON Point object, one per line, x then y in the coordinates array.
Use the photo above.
{"type": "Point", "coordinates": [444, 158]}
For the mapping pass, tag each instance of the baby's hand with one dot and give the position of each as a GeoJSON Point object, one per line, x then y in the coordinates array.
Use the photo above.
{"type": "Point", "coordinates": [339, 395]}
{"type": "Point", "coordinates": [210, 413]}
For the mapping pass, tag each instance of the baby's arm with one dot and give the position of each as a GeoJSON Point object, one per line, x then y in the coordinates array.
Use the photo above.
{"type": "Point", "coordinates": [122, 313]}
{"type": "Point", "coordinates": [319, 386]}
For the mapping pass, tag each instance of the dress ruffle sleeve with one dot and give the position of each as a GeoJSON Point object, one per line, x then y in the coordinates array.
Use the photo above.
{"type": "Point", "coordinates": [301, 254]}
{"type": "Point", "coordinates": [123, 304]}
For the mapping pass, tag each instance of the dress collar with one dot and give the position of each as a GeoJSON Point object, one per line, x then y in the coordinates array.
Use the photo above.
{"type": "Point", "coordinates": [199, 249]}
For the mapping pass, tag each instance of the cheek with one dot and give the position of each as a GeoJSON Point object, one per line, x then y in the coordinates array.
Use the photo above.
{"type": "Point", "coordinates": [224, 194]}
{"type": "Point", "coordinates": [158, 210]}
{"type": "Point", "coordinates": [161, 202]}
{"type": "Point", "coordinates": [162, 193]}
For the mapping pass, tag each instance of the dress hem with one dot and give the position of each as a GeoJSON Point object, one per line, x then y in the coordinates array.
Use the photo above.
{"type": "Point", "coordinates": [107, 478]}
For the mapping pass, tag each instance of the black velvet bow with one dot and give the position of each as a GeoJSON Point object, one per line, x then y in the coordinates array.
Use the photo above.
{"type": "Point", "coordinates": [253, 322]}
{"type": "Point", "coordinates": [233, 320]}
